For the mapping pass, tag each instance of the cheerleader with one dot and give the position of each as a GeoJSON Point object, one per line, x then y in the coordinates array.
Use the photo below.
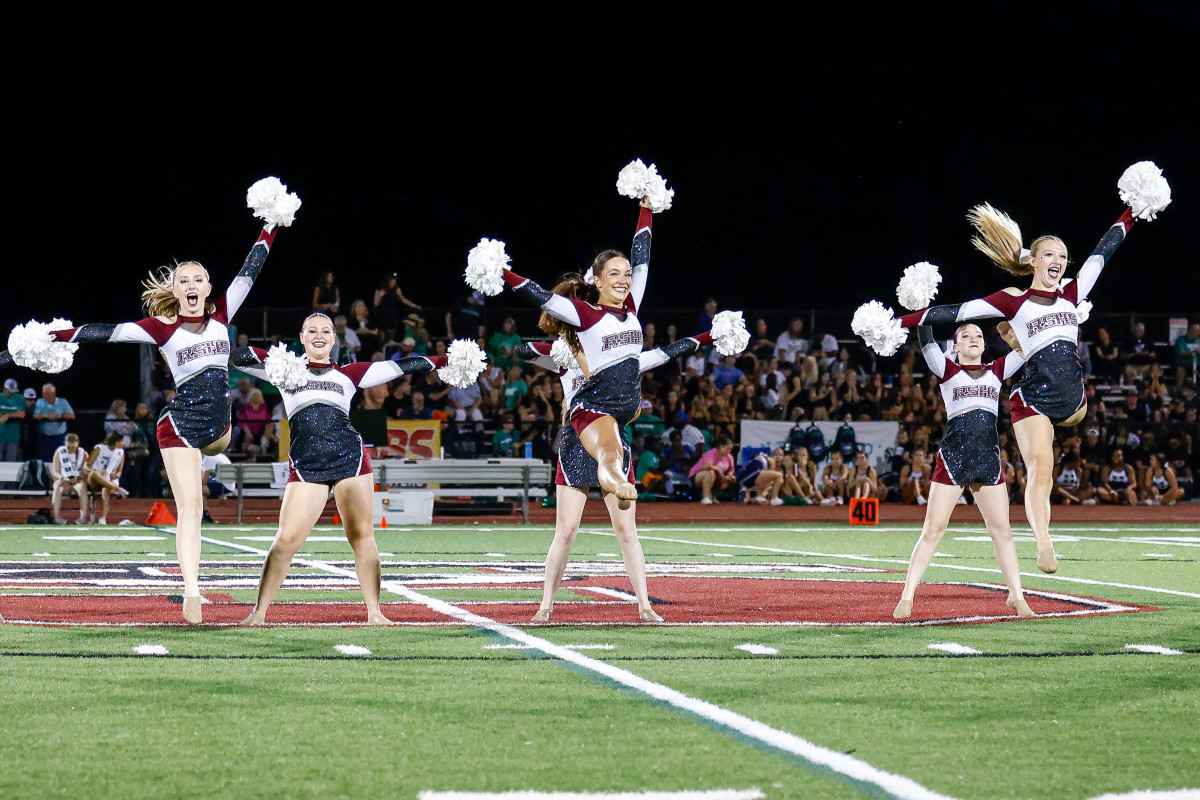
{"type": "Point", "coordinates": [1118, 484]}
{"type": "Point", "coordinates": [326, 452]}
{"type": "Point", "coordinates": [969, 455]}
{"type": "Point", "coordinates": [1160, 484]}
{"type": "Point", "coordinates": [105, 465]}
{"type": "Point", "coordinates": [191, 330]}
{"type": "Point", "coordinates": [577, 473]}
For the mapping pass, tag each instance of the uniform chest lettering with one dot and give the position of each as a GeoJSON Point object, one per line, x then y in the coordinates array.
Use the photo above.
{"type": "Point", "coordinates": [621, 339]}
{"type": "Point", "coordinates": [201, 350]}
{"type": "Point", "coordinates": [985, 391]}
{"type": "Point", "coordinates": [1048, 321]}
{"type": "Point", "coordinates": [321, 386]}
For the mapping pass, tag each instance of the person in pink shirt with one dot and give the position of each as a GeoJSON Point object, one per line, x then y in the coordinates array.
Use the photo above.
{"type": "Point", "coordinates": [714, 471]}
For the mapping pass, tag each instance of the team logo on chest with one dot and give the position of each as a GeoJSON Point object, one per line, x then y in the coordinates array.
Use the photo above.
{"type": "Point", "coordinates": [320, 386]}
{"type": "Point", "coordinates": [1040, 324]}
{"type": "Point", "coordinates": [987, 392]}
{"type": "Point", "coordinates": [621, 339]}
{"type": "Point", "coordinates": [201, 350]}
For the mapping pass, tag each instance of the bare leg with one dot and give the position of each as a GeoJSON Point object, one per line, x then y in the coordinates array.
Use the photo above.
{"type": "Point", "coordinates": [355, 499]}
{"type": "Point", "coordinates": [625, 526]}
{"type": "Point", "coordinates": [1035, 437]}
{"type": "Point", "coordinates": [602, 441]}
{"type": "Point", "coordinates": [302, 507]}
{"type": "Point", "coordinates": [704, 479]}
{"type": "Point", "coordinates": [942, 499]}
{"type": "Point", "coordinates": [183, 472]}
{"type": "Point", "coordinates": [993, 505]}
{"type": "Point", "coordinates": [60, 487]}
{"type": "Point", "coordinates": [568, 504]}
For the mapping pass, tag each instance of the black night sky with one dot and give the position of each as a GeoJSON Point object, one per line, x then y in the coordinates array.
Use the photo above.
{"type": "Point", "coordinates": [815, 153]}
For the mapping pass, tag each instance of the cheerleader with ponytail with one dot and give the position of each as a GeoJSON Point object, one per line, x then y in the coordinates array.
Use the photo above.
{"type": "Point", "coordinates": [1041, 322]}
{"type": "Point", "coordinates": [191, 330]}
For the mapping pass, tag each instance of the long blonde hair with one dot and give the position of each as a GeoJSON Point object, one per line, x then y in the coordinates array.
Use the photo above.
{"type": "Point", "coordinates": [999, 238]}
{"type": "Point", "coordinates": [158, 299]}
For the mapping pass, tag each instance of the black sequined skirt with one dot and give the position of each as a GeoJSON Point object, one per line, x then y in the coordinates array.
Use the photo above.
{"type": "Point", "coordinates": [199, 414]}
{"type": "Point", "coordinates": [325, 447]}
{"type": "Point", "coordinates": [577, 468]}
{"type": "Point", "coordinates": [615, 391]}
{"type": "Point", "coordinates": [970, 450]}
{"type": "Point", "coordinates": [1051, 384]}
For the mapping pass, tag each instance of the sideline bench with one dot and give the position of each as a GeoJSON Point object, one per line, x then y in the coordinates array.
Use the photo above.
{"type": "Point", "coordinates": [10, 472]}
{"type": "Point", "coordinates": [455, 477]}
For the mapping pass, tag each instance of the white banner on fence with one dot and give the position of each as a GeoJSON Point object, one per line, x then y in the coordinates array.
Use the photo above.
{"type": "Point", "coordinates": [872, 437]}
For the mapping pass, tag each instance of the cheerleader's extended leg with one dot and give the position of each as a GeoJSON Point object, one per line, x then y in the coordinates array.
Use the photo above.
{"type": "Point", "coordinates": [1035, 438]}
{"type": "Point", "coordinates": [568, 511]}
{"type": "Point", "coordinates": [942, 499]}
{"type": "Point", "coordinates": [602, 440]}
{"type": "Point", "coordinates": [993, 505]}
{"type": "Point", "coordinates": [355, 498]}
{"type": "Point", "coordinates": [184, 475]}
{"type": "Point", "coordinates": [302, 507]}
{"type": "Point", "coordinates": [624, 522]}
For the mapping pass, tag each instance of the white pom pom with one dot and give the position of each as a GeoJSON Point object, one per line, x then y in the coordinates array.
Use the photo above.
{"type": "Point", "coordinates": [485, 267]}
{"type": "Point", "coordinates": [561, 354]}
{"type": "Point", "coordinates": [32, 346]}
{"type": "Point", "coordinates": [464, 362]}
{"type": "Point", "coordinates": [878, 327]}
{"type": "Point", "coordinates": [638, 181]}
{"type": "Point", "coordinates": [1083, 310]}
{"type": "Point", "coordinates": [1144, 189]}
{"type": "Point", "coordinates": [272, 202]}
{"type": "Point", "coordinates": [729, 333]}
{"type": "Point", "coordinates": [285, 370]}
{"type": "Point", "coordinates": [919, 285]}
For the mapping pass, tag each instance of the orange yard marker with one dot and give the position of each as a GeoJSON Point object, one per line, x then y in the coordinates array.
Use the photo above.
{"type": "Point", "coordinates": [160, 515]}
{"type": "Point", "coordinates": [864, 511]}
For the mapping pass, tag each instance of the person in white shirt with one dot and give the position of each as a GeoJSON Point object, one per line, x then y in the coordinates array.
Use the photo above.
{"type": "Point", "coordinates": [69, 471]}
{"type": "Point", "coordinates": [791, 343]}
{"type": "Point", "coordinates": [210, 486]}
{"type": "Point", "coordinates": [105, 465]}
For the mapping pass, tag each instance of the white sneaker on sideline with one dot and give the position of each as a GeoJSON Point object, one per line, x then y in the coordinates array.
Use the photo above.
{"type": "Point", "coordinates": [706, 501]}
{"type": "Point", "coordinates": [841, 500]}
{"type": "Point", "coordinates": [1091, 501]}
{"type": "Point", "coordinates": [776, 501]}
{"type": "Point", "coordinates": [102, 521]}
{"type": "Point", "coordinates": [829, 501]}
{"type": "Point", "coordinates": [59, 521]}
{"type": "Point", "coordinates": [758, 499]}
{"type": "Point", "coordinates": [81, 521]}
{"type": "Point", "coordinates": [123, 492]}
{"type": "Point", "coordinates": [921, 500]}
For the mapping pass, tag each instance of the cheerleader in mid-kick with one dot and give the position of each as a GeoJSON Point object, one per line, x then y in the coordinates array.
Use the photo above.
{"type": "Point", "coordinates": [577, 474]}
{"type": "Point", "coordinates": [191, 329]}
{"type": "Point", "coordinates": [1043, 324]}
{"type": "Point", "coordinates": [969, 455]}
{"type": "Point", "coordinates": [327, 452]}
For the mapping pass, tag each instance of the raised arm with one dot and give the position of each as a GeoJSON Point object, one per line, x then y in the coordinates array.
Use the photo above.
{"type": "Point", "coordinates": [236, 294]}
{"type": "Point", "coordinates": [1089, 271]}
{"type": "Point", "coordinates": [373, 373]}
{"type": "Point", "coordinates": [1007, 365]}
{"type": "Point", "coordinates": [639, 257]}
{"type": "Point", "coordinates": [565, 308]}
{"type": "Point", "coordinates": [935, 358]}
{"type": "Point", "coordinates": [680, 347]}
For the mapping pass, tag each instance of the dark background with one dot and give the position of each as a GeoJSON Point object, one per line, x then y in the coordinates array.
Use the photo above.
{"type": "Point", "coordinates": [815, 152]}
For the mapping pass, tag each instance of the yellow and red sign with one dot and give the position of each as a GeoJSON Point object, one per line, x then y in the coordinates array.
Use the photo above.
{"type": "Point", "coordinates": [412, 438]}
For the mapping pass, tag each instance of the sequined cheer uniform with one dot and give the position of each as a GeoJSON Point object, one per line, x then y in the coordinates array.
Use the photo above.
{"type": "Point", "coordinates": [196, 350]}
{"type": "Point", "coordinates": [970, 449]}
{"type": "Point", "coordinates": [325, 447]}
{"type": "Point", "coordinates": [575, 466]}
{"type": "Point", "coordinates": [1047, 328]}
{"type": "Point", "coordinates": [611, 339]}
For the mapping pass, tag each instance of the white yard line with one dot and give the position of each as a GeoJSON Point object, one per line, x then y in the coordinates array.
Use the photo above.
{"type": "Point", "coordinates": [710, 794]}
{"type": "Point", "coordinates": [895, 786]}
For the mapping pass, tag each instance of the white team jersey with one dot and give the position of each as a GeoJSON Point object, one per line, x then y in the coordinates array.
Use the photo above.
{"type": "Point", "coordinates": [336, 386]}
{"type": "Point", "coordinates": [187, 354]}
{"type": "Point", "coordinates": [108, 460]}
{"type": "Point", "coordinates": [1036, 325]}
{"type": "Point", "coordinates": [574, 378]}
{"type": "Point", "coordinates": [609, 339]}
{"type": "Point", "coordinates": [69, 466]}
{"type": "Point", "coordinates": [962, 393]}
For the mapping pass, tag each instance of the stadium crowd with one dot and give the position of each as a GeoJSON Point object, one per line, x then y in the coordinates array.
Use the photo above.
{"type": "Point", "coordinates": [1138, 443]}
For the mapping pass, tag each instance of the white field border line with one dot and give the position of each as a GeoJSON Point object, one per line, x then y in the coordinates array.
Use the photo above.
{"type": "Point", "coordinates": [854, 557]}
{"type": "Point", "coordinates": [1139, 540]}
{"type": "Point", "coordinates": [895, 786]}
{"type": "Point", "coordinates": [710, 794]}
{"type": "Point", "coordinates": [1152, 794]}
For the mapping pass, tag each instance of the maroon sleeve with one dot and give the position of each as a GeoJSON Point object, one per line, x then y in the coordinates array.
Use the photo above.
{"type": "Point", "coordinates": [952, 368]}
{"type": "Point", "coordinates": [356, 371]}
{"type": "Point", "coordinates": [1007, 304]}
{"type": "Point", "coordinates": [221, 314]}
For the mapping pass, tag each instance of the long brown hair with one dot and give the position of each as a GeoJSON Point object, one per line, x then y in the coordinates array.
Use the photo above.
{"type": "Point", "coordinates": [999, 238]}
{"type": "Point", "coordinates": [569, 285]}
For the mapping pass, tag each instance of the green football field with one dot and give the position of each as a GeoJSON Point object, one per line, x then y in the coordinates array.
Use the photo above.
{"type": "Point", "coordinates": [780, 672]}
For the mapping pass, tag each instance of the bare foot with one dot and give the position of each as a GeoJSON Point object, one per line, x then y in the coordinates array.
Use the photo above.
{"type": "Point", "coordinates": [192, 614]}
{"type": "Point", "coordinates": [903, 610]}
{"type": "Point", "coordinates": [649, 615]}
{"type": "Point", "coordinates": [256, 620]}
{"type": "Point", "coordinates": [1047, 561]}
{"type": "Point", "coordinates": [1018, 604]}
{"type": "Point", "coordinates": [377, 618]}
{"type": "Point", "coordinates": [626, 493]}
{"type": "Point", "coordinates": [542, 615]}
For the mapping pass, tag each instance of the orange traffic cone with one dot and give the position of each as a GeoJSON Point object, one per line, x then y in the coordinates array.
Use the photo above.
{"type": "Point", "coordinates": [160, 515]}
{"type": "Point", "coordinates": [336, 519]}
{"type": "Point", "coordinates": [383, 521]}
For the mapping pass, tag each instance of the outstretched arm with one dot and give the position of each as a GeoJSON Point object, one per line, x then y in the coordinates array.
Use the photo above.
{"type": "Point", "coordinates": [1089, 272]}
{"type": "Point", "coordinates": [236, 294]}
{"type": "Point", "coordinates": [538, 354]}
{"type": "Point", "coordinates": [680, 347]}
{"type": "Point", "coordinates": [565, 308]}
{"type": "Point", "coordinates": [1000, 304]}
{"type": "Point", "coordinates": [639, 256]}
{"type": "Point", "coordinates": [373, 373]}
{"type": "Point", "coordinates": [250, 361]}
{"type": "Point", "coordinates": [934, 357]}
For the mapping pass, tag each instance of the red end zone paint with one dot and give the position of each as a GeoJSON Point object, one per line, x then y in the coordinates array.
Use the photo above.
{"type": "Point", "coordinates": [681, 600]}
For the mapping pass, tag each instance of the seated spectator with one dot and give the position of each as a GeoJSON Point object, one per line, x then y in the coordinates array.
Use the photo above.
{"type": "Point", "coordinates": [210, 487]}
{"type": "Point", "coordinates": [649, 334]}
{"type": "Point", "coordinates": [253, 421]}
{"type": "Point", "coordinates": [491, 385]}
{"type": "Point", "coordinates": [835, 480]}
{"type": "Point", "coordinates": [69, 470]}
{"type": "Point", "coordinates": [369, 339]}
{"type": "Point", "coordinates": [761, 346]}
{"type": "Point", "coordinates": [117, 419]}
{"type": "Point", "coordinates": [864, 480]}
{"type": "Point", "coordinates": [916, 476]}
{"type": "Point", "coordinates": [820, 398]}
{"type": "Point", "coordinates": [676, 458]}
{"type": "Point", "coordinates": [1187, 354]}
{"type": "Point", "coordinates": [105, 465]}
{"type": "Point", "coordinates": [696, 364]}
{"type": "Point", "coordinates": [503, 343]}
{"type": "Point", "coordinates": [800, 477]}
{"type": "Point", "coordinates": [408, 349]}
{"type": "Point", "coordinates": [418, 409]}
{"type": "Point", "coordinates": [791, 344]}
{"type": "Point", "coordinates": [1069, 485]}
{"type": "Point", "coordinates": [714, 471]}
{"type": "Point", "coordinates": [761, 479]}
{"type": "Point", "coordinates": [466, 403]}
{"type": "Point", "coordinates": [1159, 485]}
{"type": "Point", "coordinates": [414, 328]}
{"type": "Point", "coordinates": [1139, 350]}
{"type": "Point", "coordinates": [505, 439]}
{"type": "Point", "coordinates": [347, 346]}
{"type": "Point", "coordinates": [648, 423]}
{"type": "Point", "coordinates": [1106, 358]}
{"type": "Point", "coordinates": [515, 388]}
{"type": "Point", "coordinates": [649, 472]}
{"type": "Point", "coordinates": [829, 350]}
{"type": "Point", "coordinates": [727, 374]}
{"type": "Point", "coordinates": [1118, 484]}
{"type": "Point", "coordinates": [436, 391]}
{"type": "Point", "coordinates": [400, 397]}
{"type": "Point", "coordinates": [705, 320]}
{"type": "Point", "coordinates": [1091, 453]}
{"type": "Point", "coordinates": [327, 299]}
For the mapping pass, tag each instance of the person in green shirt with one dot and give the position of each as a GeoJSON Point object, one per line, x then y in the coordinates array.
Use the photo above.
{"type": "Point", "coordinates": [515, 388]}
{"type": "Point", "coordinates": [505, 439]}
{"type": "Point", "coordinates": [503, 344]}
{"type": "Point", "coordinates": [647, 471]}
{"type": "Point", "coordinates": [12, 412]}
{"type": "Point", "coordinates": [1187, 353]}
